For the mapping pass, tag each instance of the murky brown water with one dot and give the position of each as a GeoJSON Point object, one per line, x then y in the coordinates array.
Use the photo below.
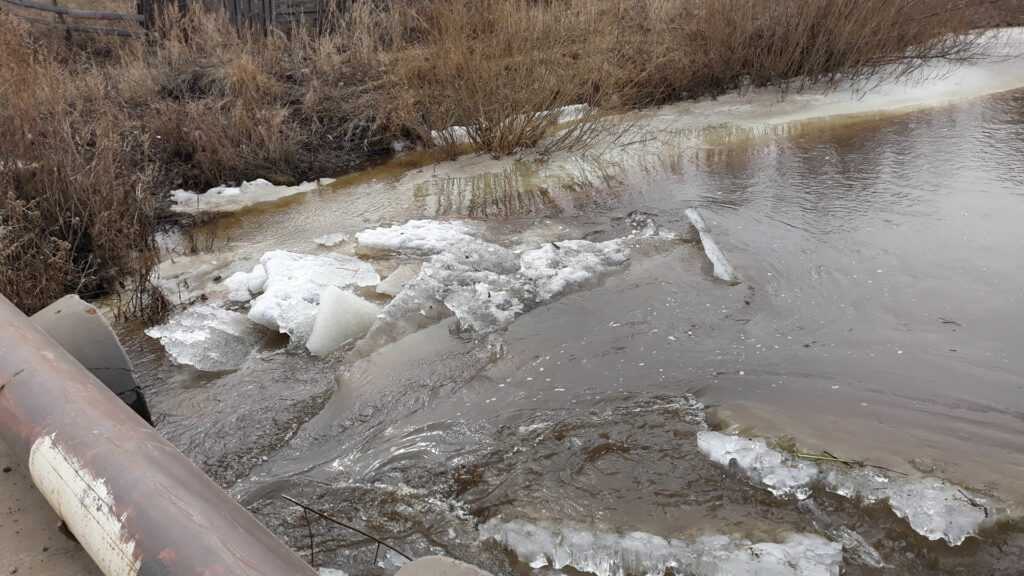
{"type": "Point", "coordinates": [880, 317]}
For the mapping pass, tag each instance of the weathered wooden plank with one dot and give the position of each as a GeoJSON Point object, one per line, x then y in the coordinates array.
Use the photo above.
{"type": "Point", "coordinates": [74, 13]}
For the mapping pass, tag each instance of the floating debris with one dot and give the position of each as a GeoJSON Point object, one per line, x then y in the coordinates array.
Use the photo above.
{"type": "Point", "coordinates": [722, 269]}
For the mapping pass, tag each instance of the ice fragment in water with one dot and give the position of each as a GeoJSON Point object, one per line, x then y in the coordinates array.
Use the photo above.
{"type": "Point", "coordinates": [610, 554]}
{"type": "Point", "coordinates": [485, 285]}
{"type": "Point", "coordinates": [397, 280]}
{"type": "Point", "coordinates": [557, 267]}
{"type": "Point", "coordinates": [934, 508]}
{"type": "Point", "coordinates": [769, 468]}
{"type": "Point", "coordinates": [208, 338]}
{"type": "Point", "coordinates": [332, 572]}
{"type": "Point", "coordinates": [422, 237]}
{"type": "Point", "coordinates": [242, 286]}
{"type": "Point", "coordinates": [331, 240]}
{"type": "Point", "coordinates": [342, 317]}
{"type": "Point", "coordinates": [291, 292]}
{"type": "Point", "coordinates": [722, 269]}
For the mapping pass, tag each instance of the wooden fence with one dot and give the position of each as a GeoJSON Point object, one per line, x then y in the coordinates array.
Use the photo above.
{"type": "Point", "coordinates": [255, 14]}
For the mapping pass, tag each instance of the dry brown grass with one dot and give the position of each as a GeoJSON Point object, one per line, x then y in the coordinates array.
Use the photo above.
{"type": "Point", "coordinates": [93, 132]}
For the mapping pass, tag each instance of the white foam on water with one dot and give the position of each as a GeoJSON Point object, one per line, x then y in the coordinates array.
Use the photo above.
{"type": "Point", "coordinates": [342, 317]}
{"type": "Point", "coordinates": [771, 469]}
{"type": "Point", "coordinates": [208, 338]}
{"type": "Point", "coordinates": [722, 269]}
{"type": "Point", "coordinates": [290, 295]}
{"type": "Point", "coordinates": [933, 507]}
{"type": "Point", "coordinates": [611, 554]}
{"type": "Point", "coordinates": [231, 198]}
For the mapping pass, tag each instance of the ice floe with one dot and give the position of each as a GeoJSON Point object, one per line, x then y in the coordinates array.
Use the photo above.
{"type": "Point", "coordinates": [486, 286]}
{"type": "Point", "coordinates": [722, 269]}
{"type": "Point", "coordinates": [230, 198]}
{"type": "Point", "coordinates": [418, 237]}
{"type": "Point", "coordinates": [208, 338]}
{"type": "Point", "coordinates": [290, 295]}
{"type": "Point", "coordinates": [611, 554]}
{"type": "Point", "coordinates": [778, 473]}
{"type": "Point", "coordinates": [342, 317]}
{"type": "Point", "coordinates": [933, 507]}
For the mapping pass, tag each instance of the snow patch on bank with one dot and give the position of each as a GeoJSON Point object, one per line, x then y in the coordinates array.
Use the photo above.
{"type": "Point", "coordinates": [231, 198]}
{"type": "Point", "coordinates": [208, 338]}
{"type": "Point", "coordinates": [933, 507]}
{"type": "Point", "coordinates": [610, 554]}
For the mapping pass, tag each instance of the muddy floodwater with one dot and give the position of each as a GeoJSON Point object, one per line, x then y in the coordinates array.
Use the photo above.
{"type": "Point", "coordinates": [878, 319]}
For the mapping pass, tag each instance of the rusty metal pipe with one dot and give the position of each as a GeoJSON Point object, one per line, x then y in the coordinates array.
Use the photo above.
{"type": "Point", "coordinates": [137, 505]}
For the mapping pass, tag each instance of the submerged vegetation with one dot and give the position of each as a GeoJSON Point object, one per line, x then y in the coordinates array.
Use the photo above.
{"type": "Point", "coordinates": [94, 131]}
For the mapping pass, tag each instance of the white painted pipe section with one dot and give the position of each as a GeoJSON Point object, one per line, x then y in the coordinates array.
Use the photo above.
{"type": "Point", "coordinates": [86, 505]}
{"type": "Point", "coordinates": [722, 269]}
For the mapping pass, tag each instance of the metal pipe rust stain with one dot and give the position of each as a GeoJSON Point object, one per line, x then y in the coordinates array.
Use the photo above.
{"type": "Point", "coordinates": [137, 505]}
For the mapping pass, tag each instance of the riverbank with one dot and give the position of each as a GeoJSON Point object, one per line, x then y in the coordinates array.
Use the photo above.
{"type": "Point", "coordinates": [95, 131]}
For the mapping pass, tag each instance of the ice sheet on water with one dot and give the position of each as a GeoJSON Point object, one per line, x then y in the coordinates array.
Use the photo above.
{"type": "Point", "coordinates": [208, 338]}
{"type": "Point", "coordinates": [291, 292]}
{"type": "Point", "coordinates": [486, 286]}
{"type": "Point", "coordinates": [933, 507]}
{"type": "Point", "coordinates": [610, 554]}
{"type": "Point", "coordinates": [230, 198]}
{"type": "Point", "coordinates": [419, 237]}
{"type": "Point", "coordinates": [781, 475]}
{"type": "Point", "coordinates": [722, 269]}
{"type": "Point", "coordinates": [557, 267]}
{"type": "Point", "coordinates": [342, 317]}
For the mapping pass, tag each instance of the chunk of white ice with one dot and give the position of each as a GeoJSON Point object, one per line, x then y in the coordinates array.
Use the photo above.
{"type": "Point", "coordinates": [342, 317]}
{"type": "Point", "coordinates": [933, 507]}
{"type": "Point", "coordinates": [208, 338]}
{"type": "Point", "coordinates": [555, 268]}
{"type": "Point", "coordinates": [242, 286]}
{"type": "Point", "coordinates": [291, 292]}
{"type": "Point", "coordinates": [722, 269]}
{"type": "Point", "coordinates": [420, 237]}
{"type": "Point", "coordinates": [769, 468]}
{"type": "Point", "coordinates": [610, 554]}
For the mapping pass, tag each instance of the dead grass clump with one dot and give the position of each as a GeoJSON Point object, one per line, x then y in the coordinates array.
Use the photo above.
{"type": "Point", "coordinates": [76, 212]}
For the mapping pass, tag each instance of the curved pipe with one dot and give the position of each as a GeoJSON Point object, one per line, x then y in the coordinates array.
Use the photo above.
{"type": "Point", "coordinates": [137, 505]}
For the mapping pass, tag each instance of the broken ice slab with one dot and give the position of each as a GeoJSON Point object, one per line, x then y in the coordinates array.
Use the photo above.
{"type": "Point", "coordinates": [555, 268]}
{"type": "Point", "coordinates": [933, 507]}
{"type": "Point", "coordinates": [722, 269]}
{"type": "Point", "coordinates": [397, 280]}
{"type": "Point", "coordinates": [342, 317]}
{"type": "Point", "coordinates": [561, 547]}
{"type": "Point", "coordinates": [419, 237]}
{"type": "Point", "coordinates": [775, 471]}
{"type": "Point", "coordinates": [290, 295]}
{"type": "Point", "coordinates": [208, 338]}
